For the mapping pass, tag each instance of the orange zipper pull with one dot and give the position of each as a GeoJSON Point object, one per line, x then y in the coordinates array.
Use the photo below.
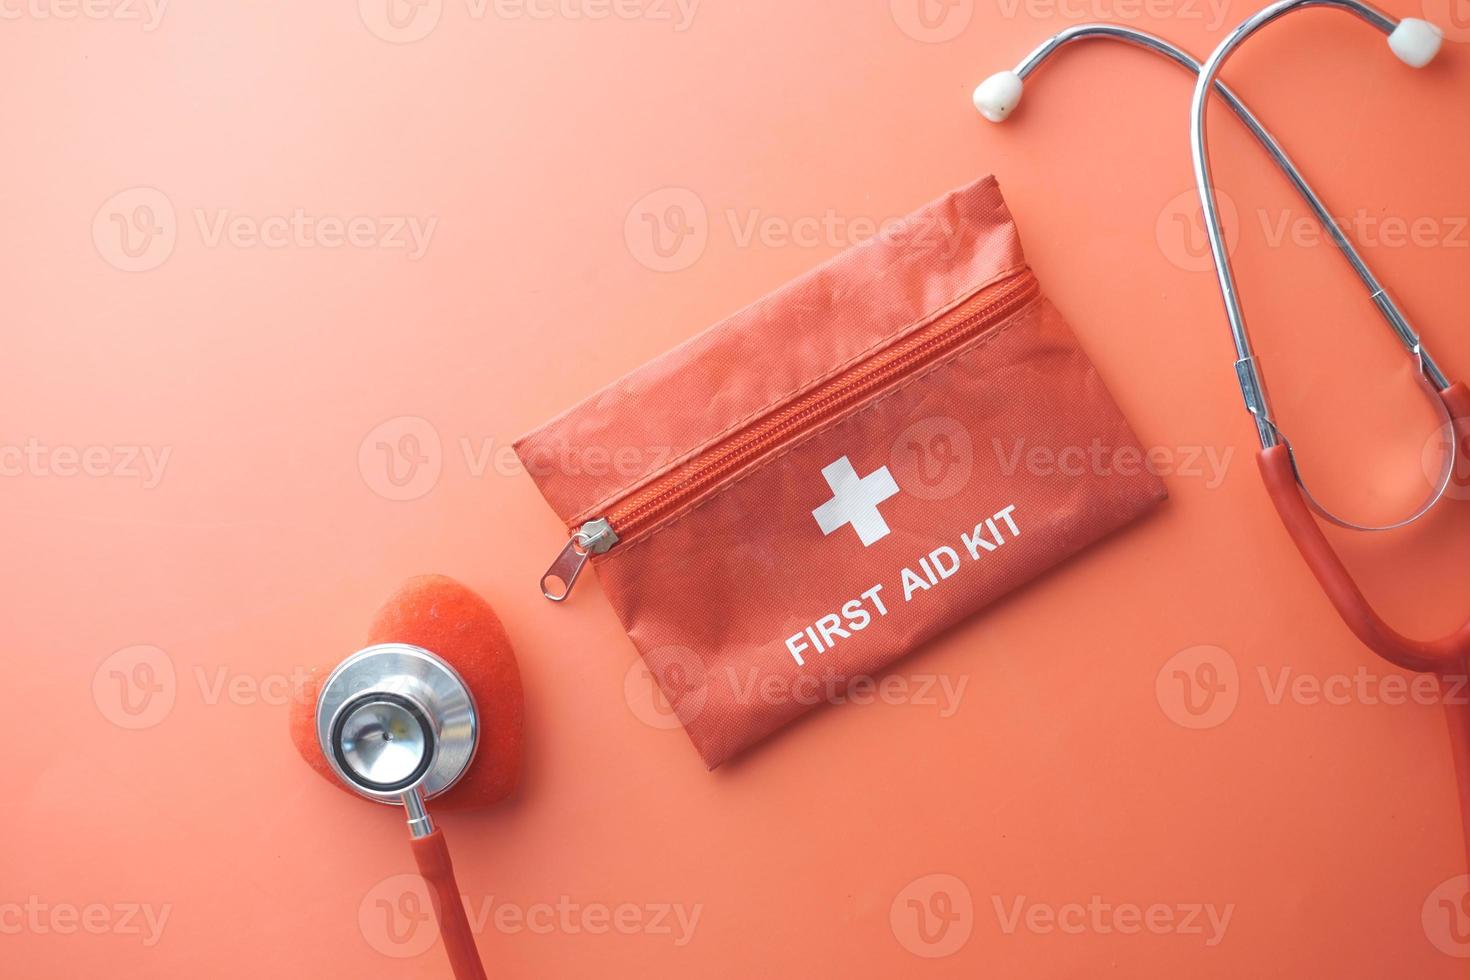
{"type": "Point", "coordinates": [593, 538]}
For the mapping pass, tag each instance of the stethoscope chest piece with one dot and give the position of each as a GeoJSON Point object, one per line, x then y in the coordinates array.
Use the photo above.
{"type": "Point", "coordinates": [394, 717]}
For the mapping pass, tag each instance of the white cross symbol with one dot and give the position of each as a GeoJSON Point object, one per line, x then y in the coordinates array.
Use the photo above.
{"type": "Point", "coordinates": [855, 501]}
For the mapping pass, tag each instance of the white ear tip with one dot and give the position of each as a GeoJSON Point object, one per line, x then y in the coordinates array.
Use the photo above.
{"type": "Point", "coordinates": [1415, 41]}
{"type": "Point", "coordinates": [998, 95]}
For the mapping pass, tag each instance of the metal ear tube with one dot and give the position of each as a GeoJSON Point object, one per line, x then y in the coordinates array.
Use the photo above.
{"type": "Point", "coordinates": [1414, 42]}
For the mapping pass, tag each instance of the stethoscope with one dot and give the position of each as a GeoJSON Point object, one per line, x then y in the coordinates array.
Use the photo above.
{"type": "Point", "coordinates": [398, 725]}
{"type": "Point", "coordinates": [1415, 42]}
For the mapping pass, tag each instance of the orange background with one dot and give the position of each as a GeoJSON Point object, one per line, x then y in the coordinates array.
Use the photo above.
{"type": "Point", "coordinates": [266, 372]}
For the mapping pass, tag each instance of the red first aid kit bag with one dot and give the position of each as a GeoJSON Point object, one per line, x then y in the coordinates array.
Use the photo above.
{"type": "Point", "coordinates": [806, 491]}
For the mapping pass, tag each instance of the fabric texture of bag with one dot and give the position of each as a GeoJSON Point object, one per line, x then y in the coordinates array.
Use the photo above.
{"type": "Point", "coordinates": [811, 488]}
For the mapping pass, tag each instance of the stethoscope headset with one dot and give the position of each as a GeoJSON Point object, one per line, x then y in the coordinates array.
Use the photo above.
{"type": "Point", "coordinates": [1414, 42]}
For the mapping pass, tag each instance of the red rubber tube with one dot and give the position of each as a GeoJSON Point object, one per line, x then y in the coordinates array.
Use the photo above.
{"type": "Point", "coordinates": [1447, 656]}
{"type": "Point", "coordinates": [432, 855]}
{"type": "Point", "coordinates": [1457, 712]}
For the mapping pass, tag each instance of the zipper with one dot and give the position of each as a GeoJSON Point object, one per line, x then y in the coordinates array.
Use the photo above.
{"type": "Point", "coordinates": [593, 538]}
{"type": "Point", "coordinates": [645, 506]}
